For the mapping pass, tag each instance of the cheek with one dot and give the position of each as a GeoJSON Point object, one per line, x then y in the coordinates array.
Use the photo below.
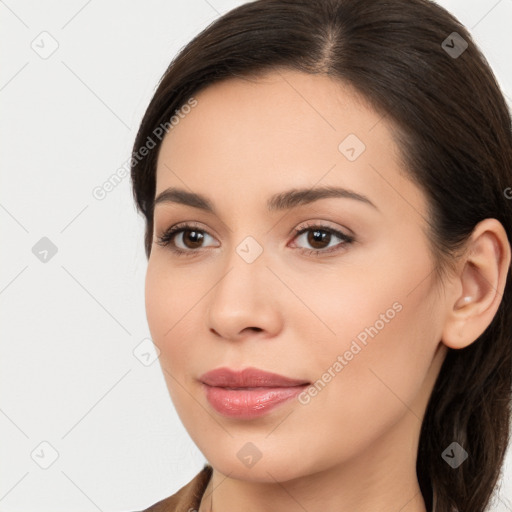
{"type": "Point", "coordinates": [169, 307]}
{"type": "Point", "coordinates": [158, 301]}
{"type": "Point", "coordinates": [371, 372]}
{"type": "Point", "coordinates": [170, 294]}
{"type": "Point", "coordinates": [384, 303]}
{"type": "Point", "coordinates": [168, 301]}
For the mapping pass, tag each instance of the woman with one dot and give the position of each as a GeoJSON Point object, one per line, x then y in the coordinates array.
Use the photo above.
{"type": "Point", "coordinates": [326, 189]}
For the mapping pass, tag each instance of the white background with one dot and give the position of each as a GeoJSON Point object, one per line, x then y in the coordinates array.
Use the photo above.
{"type": "Point", "coordinates": [68, 373]}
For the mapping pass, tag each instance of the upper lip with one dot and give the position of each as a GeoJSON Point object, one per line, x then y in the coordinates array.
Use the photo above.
{"type": "Point", "coordinates": [246, 378]}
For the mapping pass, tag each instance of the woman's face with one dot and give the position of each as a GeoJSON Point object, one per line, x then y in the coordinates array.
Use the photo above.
{"type": "Point", "coordinates": [359, 320]}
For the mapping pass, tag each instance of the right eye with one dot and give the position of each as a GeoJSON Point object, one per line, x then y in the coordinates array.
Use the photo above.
{"type": "Point", "coordinates": [191, 238]}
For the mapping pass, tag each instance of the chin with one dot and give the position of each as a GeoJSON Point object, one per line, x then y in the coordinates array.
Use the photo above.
{"type": "Point", "coordinates": [265, 470]}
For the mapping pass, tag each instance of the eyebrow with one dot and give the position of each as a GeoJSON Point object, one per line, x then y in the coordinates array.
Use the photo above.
{"type": "Point", "coordinates": [280, 201]}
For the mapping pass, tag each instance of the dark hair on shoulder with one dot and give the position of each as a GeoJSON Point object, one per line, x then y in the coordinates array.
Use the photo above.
{"type": "Point", "coordinates": [453, 128]}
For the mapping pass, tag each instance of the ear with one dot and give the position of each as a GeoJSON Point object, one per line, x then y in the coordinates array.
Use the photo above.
{"type": "Point", "coordinates": [476, 293]}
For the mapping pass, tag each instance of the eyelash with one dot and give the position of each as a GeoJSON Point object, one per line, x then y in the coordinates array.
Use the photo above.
{"type": "Point", "coordinates": [168, 236]}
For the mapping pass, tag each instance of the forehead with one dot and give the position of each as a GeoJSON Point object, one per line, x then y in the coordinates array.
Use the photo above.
{"type": "Point", "coordinates": [283, 112]}
{"type": "Point", "coordinates": [261, 135]}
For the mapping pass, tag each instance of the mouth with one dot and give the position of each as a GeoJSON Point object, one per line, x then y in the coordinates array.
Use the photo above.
{"type": "Point", "coordinates": [248, 393]}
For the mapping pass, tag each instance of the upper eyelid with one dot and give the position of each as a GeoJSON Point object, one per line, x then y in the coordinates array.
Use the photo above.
{"type": "Point", "coordinates": [180, 227]}
{"type": "Point", "coordinates": [338, 233]}
{"type": "Point", "coordinates": [324, 224]}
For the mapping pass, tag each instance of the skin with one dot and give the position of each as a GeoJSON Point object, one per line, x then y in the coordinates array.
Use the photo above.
{"type": "Point", "coordinates": [353, 446]}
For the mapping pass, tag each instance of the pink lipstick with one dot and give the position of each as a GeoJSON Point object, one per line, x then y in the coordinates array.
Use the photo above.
{"type": "Point", "coordinates": [248, 393]}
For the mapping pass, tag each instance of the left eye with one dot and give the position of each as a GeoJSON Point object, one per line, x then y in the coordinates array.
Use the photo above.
{"type": "Point", "coordinates": [319, 237]}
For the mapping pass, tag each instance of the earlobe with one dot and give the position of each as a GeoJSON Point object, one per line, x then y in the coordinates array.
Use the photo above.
{"type": "Point", "coordinates": [485, 268]}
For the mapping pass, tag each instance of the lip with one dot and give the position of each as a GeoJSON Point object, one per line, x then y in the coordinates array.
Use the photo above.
{"type": "Point", "coordinates": [248, 393]}
{"type": "Point", "coordinates": [248, 378]}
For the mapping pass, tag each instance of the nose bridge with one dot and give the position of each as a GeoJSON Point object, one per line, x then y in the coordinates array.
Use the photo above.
{"type": "Point", "coordinates": [245, 267]}
{"type": "Point", "coordinates": [242, 298]}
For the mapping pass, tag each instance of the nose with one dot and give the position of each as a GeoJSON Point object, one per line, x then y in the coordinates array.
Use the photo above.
{"type": "Point", "coordinates": [244, 299]}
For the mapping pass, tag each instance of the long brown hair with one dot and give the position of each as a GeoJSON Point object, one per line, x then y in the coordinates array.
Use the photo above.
{"type": "Point", "coordinates": [453, 129]}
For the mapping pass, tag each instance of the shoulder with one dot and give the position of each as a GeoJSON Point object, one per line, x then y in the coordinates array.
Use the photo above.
{"type": "Point", "coordinates": [188, 497]}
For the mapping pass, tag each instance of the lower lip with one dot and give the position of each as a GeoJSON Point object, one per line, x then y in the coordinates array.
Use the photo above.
{"type": "Point", "coordinates": [249, 403]}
